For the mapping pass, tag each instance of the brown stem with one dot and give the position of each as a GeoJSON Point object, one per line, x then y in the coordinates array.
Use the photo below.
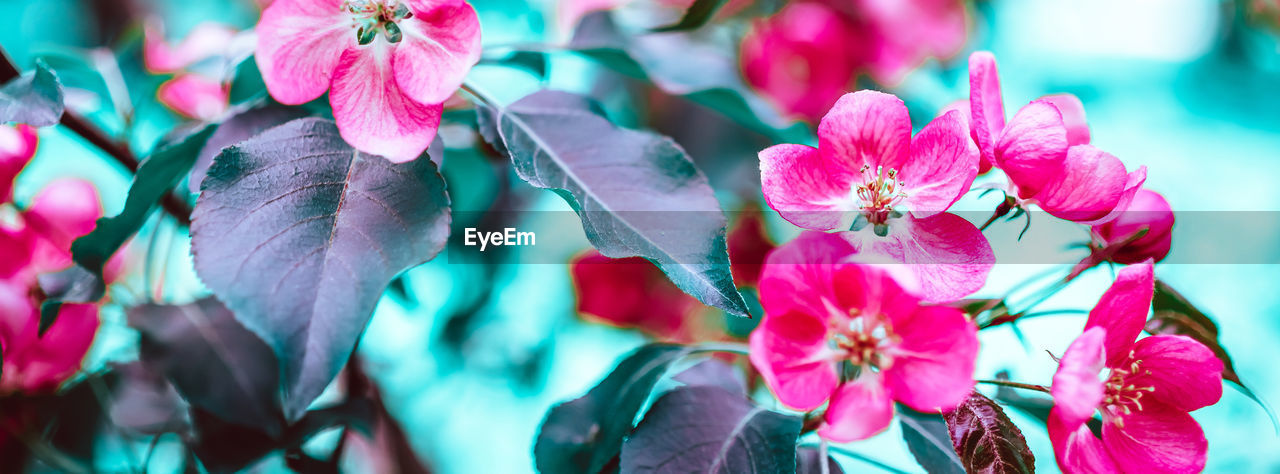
{"type": "Point", "coordinates": [172, 203]}
{"type": "Point", "coordinates": [1024, 386]}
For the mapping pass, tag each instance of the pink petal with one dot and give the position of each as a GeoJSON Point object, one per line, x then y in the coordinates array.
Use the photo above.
{"type": "Point", "coordinates": [64, 210]}
{"type": "Point", "coordinates": [1133, 182]}
{"type": "Point", "coordinates": [966, 116]}
{"type": "Point", "coordinates": [15, 251]}
{"type": "Point", "coordinates": [948, 255]}
{"type": "Point", "coordinates": [800, 58]}
{"type": "Point", "coordinates": [871, 290]}
{"type": "Point", "coordinates": [1089, 187]}
{"type": "Point", "coordinates": [1123, 309]}
{"type": "Point", "coordinates": [866, 128]}
{"type": "Point", "coordinates": [1032, 148]}
{"type": "Point", "coordinates": [441, 43]}
{"type": "Point", "coordinates": [53, 358]}
{"type": "Point", "coordinates": [1077, 449]}
{"type": "Point", "coordinates": [373, 114]}
{"type": "Point", "coordinates": [799, 275]}
{"type": "Point", "coordinates": [194, 96]}
{"type": "Point", "coordinates": [17, 310]}
{"type": "Point", "coordinates": [943, 164]}
{"type": "Point", "coordinates": [1072, 116]}
{"type": "Point", "coordinates": [1157, 438]}
{"type": "Point", "coordinates": [932, 366]}
{"type": "Point", "coordinates": [859, 409]}
{"type": "Point", "coordinates": [631, 293]}
{"type": "Point", "coordinates": [1148, 210]}
{"type": "Point", "coordinates": [300, 43]}
{"type": "Point", "coordinates": [985, 103]}
{"type": "Point", "coordinates": [808, 188]}
{"type": "Point", "coordinates": [1076, 389]}
{"type": "Point", "coordinates": [904, 33]}
{"type": "Point", "coordinates": [204, 41]}
{"type": "Point", "coordinates": [1186, 375]}
{"type": "Point", "coordinates": [17, 147]}
{"type": "Point", "coordinates": [790, 351]}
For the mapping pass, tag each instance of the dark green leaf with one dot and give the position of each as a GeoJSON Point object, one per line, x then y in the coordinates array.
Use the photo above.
{"type": "Point", "coordinates": [711, 430]}
{"type": "Point", "coordinates": [929, 441]}
{"type": "Point", "coordinates": [299, 235]}
{"type": "Point", "coordinates": [638, 194]}
{"type": "Point", "coordinates": [809, 461]}
{"type": "Point", "coordinates": [986, 441]}
{"type": "Point", "coordinates": [698, 14]}
{"type": "Point", "coordinates": [35, 98]}
{"type": "Point", "coordinates": [535, 62]}
{"type": "Point", "coordinates": [238, 127]}
{"type": "Point", "coordinates": [584, 434]}
{"type": "Point", "coordinates": [212, 360]}
{"type": "Point", "coordinates": [225, 447]}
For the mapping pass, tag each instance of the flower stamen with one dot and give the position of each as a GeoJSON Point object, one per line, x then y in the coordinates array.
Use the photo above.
{"type": "Point", "coordinates": [879, 193]}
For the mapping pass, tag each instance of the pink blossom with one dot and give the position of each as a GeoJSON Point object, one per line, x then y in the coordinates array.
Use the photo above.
{"type": "Point", "coordinates": [1148, 211]}
{"type": "Point", "coordinates": [632, 293]}
{"type": "Point", "coordinates": [1044, 151]}
{"type": "Point", "coordinates": [388, 65]}
{"type": "Point", "coordinates": [195, 96]}
{"type": "Point", "coordinates": [866, 170]}
{"type": "Point", "coordinates": [850, 335]}
{"type": "Point", "coordinates": [205, 41]}
{"type": "Point", "coordinates": [1149, 386]}
{"type": "Point", "coordinates": [17, 147]}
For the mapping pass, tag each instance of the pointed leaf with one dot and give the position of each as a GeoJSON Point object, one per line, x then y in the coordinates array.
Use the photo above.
{"type": "Point", "coordinates": [711, 430]}
{"type": "Point", "coordinates": [638, 193]}
{"type": "Point", "coordinates": [929, 441]}
{"type": "Point", "coordinates": [35, 98]}
{"type": "Point", "coordinates": [584, 434]}
{"type": "Point", "coordinates": [299, 235]}
{"type": "Point", "coordinates": [986, 441]}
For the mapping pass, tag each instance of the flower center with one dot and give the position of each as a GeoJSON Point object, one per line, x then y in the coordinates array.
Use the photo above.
{"type": "Point", "coordinates": [880, 191]}
{"type": "Point", "coordinates": [368, 17]}
{"type": "Point", "coordinates": [862, 340]}
{"type": "Point", "coordinates": [1121, 398]}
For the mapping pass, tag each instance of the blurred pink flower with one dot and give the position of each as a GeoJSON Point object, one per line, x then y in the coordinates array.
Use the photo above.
{"type": "Point", "coordinates": [1148, 210]}
{"type": "Point", "coordinates": [388, 64]}
{"type": "Point", "coordinates": [17, 147]}
{"type": "Point", "coordinates": [191, 94]}
{"type": "Point", "coordinates": [866, 169]}
{"type": "Point", "coordinates": [807, 54]}
{"type": "Point", "coordinates": [1150, 385]}
{"type": "Point", "coordinates": [823, 317]}
{"type": "Point", "coordinates": [632, 293]}
{"type": "Point", "coordinates": [195, 96]}
{"type": "Point", "coordinates": [1044, 151]}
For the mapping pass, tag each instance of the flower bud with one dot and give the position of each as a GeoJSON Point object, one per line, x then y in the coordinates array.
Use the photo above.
{"type": "Point", "coordinates": [1149, 211]}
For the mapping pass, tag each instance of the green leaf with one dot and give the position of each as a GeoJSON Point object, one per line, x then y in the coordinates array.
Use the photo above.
{"type": "Point", "coordinates": [637, 193]}
{"type": "Point", "coordinates": [35, 98]}
{"type": "Point", "coordinates": [300, 234]}
{"type": "Point", "coordinates": [1173, 314]}
{"type": "Point", "coordinates": [986, 441]}
{"type": "Point", "coordinates": [585, 434]}
{"type": "Point", "coordinates": [711, 430]}
{"type": "Point", "coordinates": [929, 441]}
{"type": "Point", "coordinates": [698, 14]}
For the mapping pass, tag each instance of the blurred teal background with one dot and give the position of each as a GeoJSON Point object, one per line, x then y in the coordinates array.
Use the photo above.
{"type": "Point", "coordinates": [1186, 87]}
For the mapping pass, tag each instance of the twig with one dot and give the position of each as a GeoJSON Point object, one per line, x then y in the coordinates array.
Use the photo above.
{"type": "Point", "coordinates": [1024, 386]}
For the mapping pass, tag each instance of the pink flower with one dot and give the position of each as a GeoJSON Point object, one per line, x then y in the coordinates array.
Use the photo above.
{"type": "Point", "coordinates": [205, 41]}
{"type": "Point", "coordinates": [1045, 152]}
{"type": "Point", "coordinates": [195, 96]}
{"type": "Point", "coordinates": [1149, 211]}
{"type": "Point", "coordinates": [632, 293]}
{"type": "Point", "coordinates": [388, 64]}
{"type": "Point", "coordinates": [866, 170]}
{"type": "Point", "coordinates": [851, 335]}
{"type": "Point", "coordinates": [17, 147]}
{"type": "Point", "coordinates": [1144, 397]}
{"type": "Point", "coordinates": [800, 58]}
{"type": "Point", "coordinates": [203, 95]}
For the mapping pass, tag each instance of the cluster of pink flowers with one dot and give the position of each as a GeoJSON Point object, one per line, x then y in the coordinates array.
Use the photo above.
{"type": "Point", "coordinates": [806, 55]}
{"type": "Point", "coordinates": [35, 240]}
{"type": "Point", "coordinates": [848, 321]}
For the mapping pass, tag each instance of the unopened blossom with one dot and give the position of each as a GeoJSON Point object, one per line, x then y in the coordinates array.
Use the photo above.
{"type": "Point", "coordinates": [633, 293]}
{"type": "Point", "coordinates": [1142, 388]}
{"type": "Point", "coordinates": [1044, 149]}
{"type": "Point", "coordinates": [870, 175]}
{"type": "Point", "coordinates": [388, 65]}
{"type": "Point", "coordinates": [1148, 212]}
{"type": "Point", "coordinates": [851, 336]}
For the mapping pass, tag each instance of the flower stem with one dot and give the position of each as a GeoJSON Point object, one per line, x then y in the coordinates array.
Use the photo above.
{"type": "Point", "coordinates": [730, 347]}
{"type": "Point", "coordinates": [1024, 386]}
{"type": "Point", "coordinates": [480, 96]}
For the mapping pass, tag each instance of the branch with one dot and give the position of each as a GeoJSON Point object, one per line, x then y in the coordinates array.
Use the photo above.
{"type": "Point", "coordinates": [172, 203]}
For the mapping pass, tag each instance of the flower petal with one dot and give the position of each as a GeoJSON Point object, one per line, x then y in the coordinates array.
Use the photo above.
{"type": "Point", "coordinates": [807, 188]}
{"type": "Point", "coordinates": [17, 147]}
{"type": "Point", "coordinates": [52, 358]}
{"type": "Point", "coordinates": [801, 58]}
{"type": "Point", "coordinates": [1077, 449]}
{"type": "Point", "coordinates": [985, 103]}
{"type": "Point", "coordinates": [1088, 188]}
{"type": "Point", "coordinates": [1123, 309]}
{"type": "Point", "coordinates": [932, 367]}
{"type": "Point", "coordinates": [1076, 389]}
{"type": "Point", "coordinates": [441, 43]}
{"type": "Point", "coordinates": [631, 293]}
{"type": "Point", "coordinates": [790, 351]}
{"type": "Point", "coordinates": [943, 164]}
{"type": "Point", "coordinates": [1032, 148]}
{"type": "Point", "coordinates": [866, 128]}
{"type": "Point", "coordinates": [373, 114]}
{"type": "Point", "coordinates": [1148, 210]}
{"type": "Point", "coordinates": [194, 96]}
{"type": "Point", "coordinates": [1186, 375]}
{"type": "Point", "coordinates": [1157, 438]}
{"type": "Point", "coordinates": [300, 42]}
{"type": "Point", "coordinates": [800, 273]}
{"type": "Point", "coordinates": [1133, 182]}
{"type": "Point", "coordinates": [966, 116]}
{"type": "Point", "coordinates": [205, 40]}
{"type": "Point", "coordinates": [859, 409]}
{"type": "Point", "coordinates": [64, 210]}
{"type": "Point", "coordinates": [949, 256]}
{"type": "Point", "coordinates": [1072, 116]}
